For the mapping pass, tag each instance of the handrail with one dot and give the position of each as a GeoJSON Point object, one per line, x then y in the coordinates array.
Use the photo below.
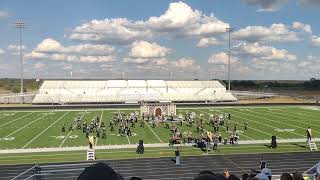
{"type": "Point", "coordinates": [23, 173]}
{"type": "Point", "coordinates": [34, 175]}
{"type": "Point", "coordinates": [62, 165]}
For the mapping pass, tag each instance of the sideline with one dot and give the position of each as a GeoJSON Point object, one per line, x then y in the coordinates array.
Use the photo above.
{"type": "Point", "coordinates": [128, 146]}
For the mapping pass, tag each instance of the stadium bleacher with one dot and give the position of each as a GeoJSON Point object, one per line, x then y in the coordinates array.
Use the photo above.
{"type": "Point", "coordinates": [123, 91]}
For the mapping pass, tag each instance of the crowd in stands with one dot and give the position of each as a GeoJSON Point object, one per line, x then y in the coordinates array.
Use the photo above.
{"type": "Point", "coordinates": [101, 171]}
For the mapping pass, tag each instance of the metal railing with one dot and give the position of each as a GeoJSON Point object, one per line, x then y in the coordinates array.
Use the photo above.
{"type": "Point", "coordinates": [38, 172]}
{"type": "Point", "coordinates": [311, 173]}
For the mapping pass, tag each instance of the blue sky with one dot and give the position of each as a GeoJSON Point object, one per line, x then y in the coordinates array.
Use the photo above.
{"type": "Point", "coordinates": [278, 39]}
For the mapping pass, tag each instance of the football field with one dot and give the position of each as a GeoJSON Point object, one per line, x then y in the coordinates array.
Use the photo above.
{"type": "Point", "coordinates": [42, 129]}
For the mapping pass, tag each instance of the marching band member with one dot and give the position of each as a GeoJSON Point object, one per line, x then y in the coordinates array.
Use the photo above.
{"type": "Point", "coordinates": [309, 134]}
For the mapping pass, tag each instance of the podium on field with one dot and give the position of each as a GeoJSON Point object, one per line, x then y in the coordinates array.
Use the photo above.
{"type": "Point", "coordinates": [158, 108]}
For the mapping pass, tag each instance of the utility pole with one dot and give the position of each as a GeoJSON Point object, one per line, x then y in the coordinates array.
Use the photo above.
{"type": "Point", "coordinates": [229, 30]}
{"type": "Point", "coordinates": [20, 25]}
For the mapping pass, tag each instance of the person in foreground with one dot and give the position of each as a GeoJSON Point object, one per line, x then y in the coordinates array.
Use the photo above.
{"type": "Point", "coordinates": [99, 171]}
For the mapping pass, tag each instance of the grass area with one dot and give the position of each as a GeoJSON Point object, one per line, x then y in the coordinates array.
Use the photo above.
{"type": "Point", "coordinates": [275, 100]}
{"type": "Point", "coordinates": [73, 156]}
{"type": "Point", "coordinates": [41, 129]}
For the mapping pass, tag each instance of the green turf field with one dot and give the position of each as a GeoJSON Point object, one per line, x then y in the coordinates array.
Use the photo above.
{"type": "Point", "coordinates": [40, 129]}
{"type": "Point", "coordinates": [74, 156]}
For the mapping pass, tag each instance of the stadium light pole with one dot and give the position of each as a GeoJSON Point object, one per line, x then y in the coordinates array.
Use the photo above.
{"type": "Point", "coordinates": [229, 30]}
{"type": "Point", "coordinates": [20, 25]}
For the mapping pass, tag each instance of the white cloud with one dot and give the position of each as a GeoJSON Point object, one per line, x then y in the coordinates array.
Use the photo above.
{"type": "Point", "coordinates": [51, 49]}
{"type": "Point", "coordinates": [259, 52]}
{"type": "Point", "coordinates": [66, 66]}
{"type": "Point", "coordinates": [221, 58]}
{"type": "Point", "coordinates": [186, 63]}
{"type": "Point", "coordinates": [111, 31]}
{"type": "Point", "coordinates": [143, 52]}
{"type": "Point", "coordinates": [40, 66]}
{"type": "Point", "coordinates": [315, 40]}
{"type": "Point", "coordinates": [160, 62]}
{"type": "Point", "coordinates": [53, 46]}
{"type": "Point", "coordinates": [276, 32]}
{"type": "Point", "coordinates": [49, 45]}
{"type": "Point", "coordinates": [15, 47]}
{"type": "Point", "coordinates": [2, 51]}
{"type": "Point", "coordinates": [4, 14]}
{"type": "Point", "coordinates": [136, 60]}
{"type": "Point", "coordinates": [270, 66]}
{"type": "Point", "coordinates": [144, 49]}
{"type": "Point", "coordinates": [180, 20]}
{"type": "Point", "coordinates": [206, 42]}
{"type": "Point", "coordinates": [106, 66]}
{"type": "Point", "coordinates": [266, 5]}
{"type": "Point", "coordinates": [301, 26]}
{"type": "Point", "coordinates": [177, 16]}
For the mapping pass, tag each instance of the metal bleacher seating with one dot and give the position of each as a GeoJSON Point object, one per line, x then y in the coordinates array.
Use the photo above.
{"type": "Point", "coordinates": [122, 91]}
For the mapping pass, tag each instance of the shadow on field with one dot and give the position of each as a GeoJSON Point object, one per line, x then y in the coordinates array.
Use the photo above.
{"type": "Point", "coordinates": [299, 145]}
{"type": "Point", "coordinates": [267, 145]}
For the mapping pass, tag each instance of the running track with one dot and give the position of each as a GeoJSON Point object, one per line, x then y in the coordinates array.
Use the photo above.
{"type": "Point", "coordinates": [164, 168]}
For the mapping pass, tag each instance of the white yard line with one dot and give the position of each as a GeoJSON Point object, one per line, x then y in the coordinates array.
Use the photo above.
{"type": "Point", "coordinates": [44, 131]}
{"type": "Point", "coordinates": [127, 146]}
{"type": "Point", "coordinates": [286, 124]}
{"type": "Point", "coordinates": [64, 140]}
{"type": "Point", "coordinates": [128, 139]}
{"type": "Point", "coordinates": [307, 124]}
{"type": "Point", "coordinates": [257, 123]}
{"type": "Point", "coordinates": [161, 147]}
{"type": "Point", "coordinates": [153, 132]}
{"type": "Point", "coordinates": [4, 116]}
{"type": "Point", "coordinates": [225, 128]}
{"type": "Point", "coordinates": [99, 125]}
{"type": "Point", "coordinates": [255, 128]}
{"type": "Point", "coordinates": [310, 118]}
{"type": "Point", "coordinates": [16, 119]}
{"type": "Point", "coordinates": [273, 127]}
{"type": "Point", "coordinates": [23, 127]}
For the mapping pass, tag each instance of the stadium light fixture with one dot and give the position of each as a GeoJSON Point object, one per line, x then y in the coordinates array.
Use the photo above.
{"type": "Point", "coordinates": [20, 25]}
{"type": "Point", "coordinates": [229, 30]}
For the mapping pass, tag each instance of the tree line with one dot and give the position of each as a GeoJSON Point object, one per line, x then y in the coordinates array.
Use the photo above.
{"type": "Point", "coordinates": [311, 85]}
{"type": "Point", "coordinates": [13, 85]}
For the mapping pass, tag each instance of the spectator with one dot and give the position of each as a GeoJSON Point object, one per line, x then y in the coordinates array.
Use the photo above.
{"type": "Point", "coordinates": [262, 176]}
{"type": "Point", "coordinates": [177, 153]}
{"type": "Point", "coordinates": [245, 176]}
{"type": "Point", "coordinates": [297, 176]}
{"type": "Point", "coordinates": [135, 178]}
{"type": "Point", "coordinates": [99, 171]}
{"type": "Point", "coordinates": [206, 172]}
{"type": "Point", "coordinates": [205, 177]}
{"type": "Point", "coordinates": [267, 172]}
{"type": "Point", "coordinates": [226, 174]}
{"type": "Point", "coordinates": [208, 175]}
{"type": "Point", "coordinates": [286, 176]}
{"type": "Point", "coordinates": [253, 178]}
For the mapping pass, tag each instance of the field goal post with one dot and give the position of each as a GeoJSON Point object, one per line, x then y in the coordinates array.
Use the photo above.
{"type": "Point", "coordinates": [159, 108]}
